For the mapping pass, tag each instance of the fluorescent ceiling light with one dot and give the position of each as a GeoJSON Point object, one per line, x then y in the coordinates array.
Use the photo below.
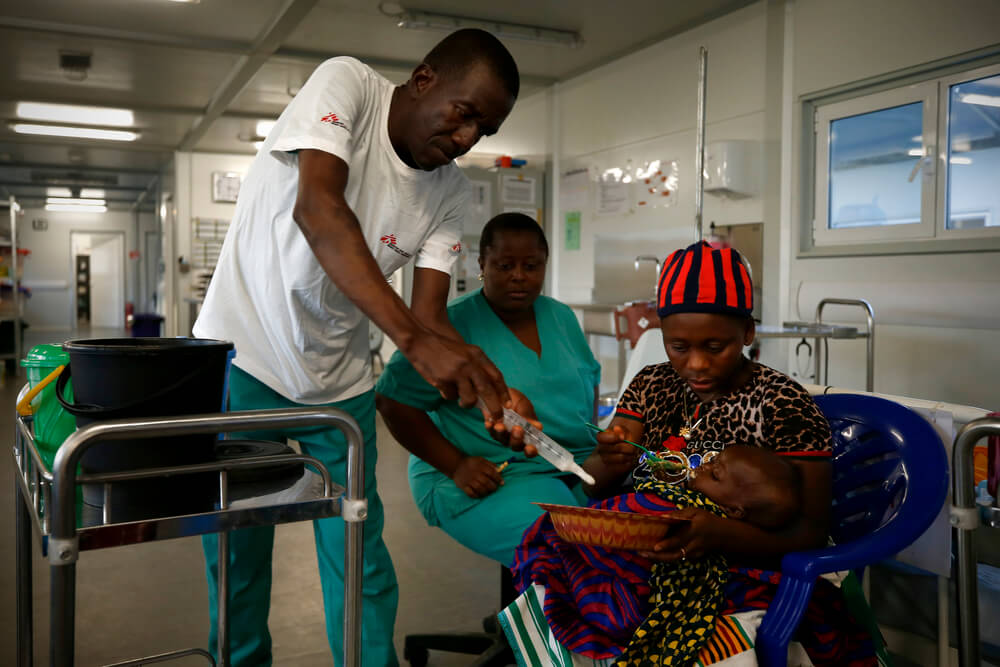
{"type": "Point", "coordinates": [91, 193]}
{"type": "Point", "coordinates": [916, 152]}
{"type": "Point", "coordinates": [58, 192]}
{"type": "Point", "coordinates": [919, 138]}
{"type": "Point", "coordinates": [67, 113]}
{"type": "Point", "coordinates": [985, 100]}
{"type": "Point", "coordinates": [419, 20]}
{"type": "Point", "coordinates": [76, 201]}
{"type": "Point", "coordinates": [264, 127]}
{"type": "Point", "coordinates": [75, 208]}
{"type": "Point", "coordinates": [960, 160]}
{"type": "Point", "coordinates": [75, 132]}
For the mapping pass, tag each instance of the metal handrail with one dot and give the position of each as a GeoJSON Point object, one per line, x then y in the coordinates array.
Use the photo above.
{"type": "Point", "coordinates": [965, 520]}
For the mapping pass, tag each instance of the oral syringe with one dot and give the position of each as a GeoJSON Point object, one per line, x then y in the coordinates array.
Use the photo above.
{"type": "Point", "coordinates": [548, 449]}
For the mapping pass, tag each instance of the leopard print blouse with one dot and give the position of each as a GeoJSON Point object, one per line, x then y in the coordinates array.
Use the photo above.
{"type": "Point", "coordinates": [770, 410]}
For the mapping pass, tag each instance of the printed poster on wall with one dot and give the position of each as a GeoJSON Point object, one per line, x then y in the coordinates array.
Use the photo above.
{"type": "Point", "coordinates": [518, 190]}
{"type": "Point", "coordinates": [572, 234]}
{"type": "Point", "coordinates": [612, 197]}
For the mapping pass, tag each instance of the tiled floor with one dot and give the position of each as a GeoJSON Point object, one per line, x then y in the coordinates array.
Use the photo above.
{"type": "Point", "coordinates": [139, 600]}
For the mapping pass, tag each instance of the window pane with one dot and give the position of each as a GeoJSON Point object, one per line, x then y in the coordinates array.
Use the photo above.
{"type": "Point", "coordinates": [872, 162]}
{"type": "Point", "coordinates": [974, 154]}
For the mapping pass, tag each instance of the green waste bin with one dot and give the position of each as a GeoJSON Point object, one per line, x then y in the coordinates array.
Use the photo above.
{"type": "Point", "coordinates": [52, 424]}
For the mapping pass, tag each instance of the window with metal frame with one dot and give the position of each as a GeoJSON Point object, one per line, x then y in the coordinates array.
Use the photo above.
{"type": "Point", "coordinates": [916, 163]}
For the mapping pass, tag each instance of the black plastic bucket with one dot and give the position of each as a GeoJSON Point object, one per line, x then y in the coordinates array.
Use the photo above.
{"type": "Point", "coordinates": [117, 378]}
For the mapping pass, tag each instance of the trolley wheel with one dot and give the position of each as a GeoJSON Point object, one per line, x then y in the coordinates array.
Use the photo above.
{"type": "Point", "coordinates": [416, 655]}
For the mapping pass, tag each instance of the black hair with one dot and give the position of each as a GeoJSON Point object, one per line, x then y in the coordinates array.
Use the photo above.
{"type": "Point", "coordinates": [458, 52]}
{"type": "Point", "coordinates": [511, 222]}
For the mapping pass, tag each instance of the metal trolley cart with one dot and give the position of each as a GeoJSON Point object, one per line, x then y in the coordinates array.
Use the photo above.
{"type": "Point", "coordinates": [46, 498]}
{"type": "Point", "coordinates": [965, 519]}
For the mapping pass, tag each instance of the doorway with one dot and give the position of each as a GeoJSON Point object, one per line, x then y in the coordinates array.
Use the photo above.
{"type": "Point", "coordinates": [98, 265]}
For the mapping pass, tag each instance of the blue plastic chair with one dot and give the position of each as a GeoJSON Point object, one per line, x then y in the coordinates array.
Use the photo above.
{"type": "Point", "coordinates": [890, 479]}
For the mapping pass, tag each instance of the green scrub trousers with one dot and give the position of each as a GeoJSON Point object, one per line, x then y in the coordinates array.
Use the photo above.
{"type": "Point", "coordinates": [250, 548]}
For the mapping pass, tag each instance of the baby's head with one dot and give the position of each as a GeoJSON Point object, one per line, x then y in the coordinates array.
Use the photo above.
{"type": "Point", "coordinates": [751, 483]}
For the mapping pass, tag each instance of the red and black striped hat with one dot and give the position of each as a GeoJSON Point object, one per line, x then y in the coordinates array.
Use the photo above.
{"type": "Point", "coordinates": [703, 279]}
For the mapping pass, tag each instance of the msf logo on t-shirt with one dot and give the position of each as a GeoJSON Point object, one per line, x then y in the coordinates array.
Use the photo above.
{"type": "Point", "coordinates": [332, 119]}
{"type": "Point", "coordinates": [455, 249]}
{"type": "Point", "coordinates": [390, 240]}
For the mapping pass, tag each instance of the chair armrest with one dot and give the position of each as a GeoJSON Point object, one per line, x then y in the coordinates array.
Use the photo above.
{"type": "Point", "coordinates": [808, 565]}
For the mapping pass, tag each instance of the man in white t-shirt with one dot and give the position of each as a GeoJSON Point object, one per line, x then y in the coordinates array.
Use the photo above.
{"type": "Point", "coordinates": [356, 178]}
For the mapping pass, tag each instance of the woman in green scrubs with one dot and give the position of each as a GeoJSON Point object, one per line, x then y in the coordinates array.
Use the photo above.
{"type": "Point", "coordinates": [476, 490]}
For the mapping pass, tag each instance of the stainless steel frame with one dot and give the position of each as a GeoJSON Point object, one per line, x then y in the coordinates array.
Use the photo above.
{"type": "Point", "coordinates": [965, 519]}
{"type": "Point", "coordinates": [869, 334]}
{"type": "Point", "coordinates": [48, 497]}
{"type": "Point", "coordinates": [699, 153]}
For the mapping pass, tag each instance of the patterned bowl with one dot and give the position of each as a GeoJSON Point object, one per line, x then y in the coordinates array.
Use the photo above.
{"type": "Point", "coordinates": [608, 528]}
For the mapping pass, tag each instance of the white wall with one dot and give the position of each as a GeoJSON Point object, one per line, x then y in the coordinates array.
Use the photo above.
{"type": "Point", "coordinates": [643, 107]}
{"type": "Point", "coordinates": [837, 44]}
{"type": "Point", "coordinates": [192, 197]}
{"type": "Point", "coordinates": [762, 60]}
{"type": "Point", "coordinates": [49, 272]}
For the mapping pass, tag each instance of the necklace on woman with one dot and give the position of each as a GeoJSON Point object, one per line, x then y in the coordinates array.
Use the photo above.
{"type": "Point", "coordinates": [685, 431]}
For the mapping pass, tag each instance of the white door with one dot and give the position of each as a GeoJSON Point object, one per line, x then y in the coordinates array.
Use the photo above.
{"type": "Point", "coordinates": [107, 281]}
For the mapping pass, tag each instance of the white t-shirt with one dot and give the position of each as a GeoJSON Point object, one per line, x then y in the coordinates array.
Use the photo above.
{"type": "Point", "coordinates": [293, 329]}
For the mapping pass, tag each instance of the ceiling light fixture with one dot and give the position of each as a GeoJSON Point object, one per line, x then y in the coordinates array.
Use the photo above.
{"type": "Point", "coordinates": [76, 201]}
{"type": "Point", "coordinates": [75, 208]}
{"type": "Point", "coordinates": [75, 132]}
{"type": "Point", "coordinates": [58, 192]}
{"type": "Point", "coordinates": [92, 193]}
{"type": "Point", "coordinates": [419, 20]}
{"type": "Point", "coordinates": [68, 113]}
{"type": "Point", "coordinates": [985, 100]}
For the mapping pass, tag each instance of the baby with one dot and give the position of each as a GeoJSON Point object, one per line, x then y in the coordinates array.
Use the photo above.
{"type": "Point", "coordinates": [747, 483]}
{"type": "Point", "coordinates": [750, 483]}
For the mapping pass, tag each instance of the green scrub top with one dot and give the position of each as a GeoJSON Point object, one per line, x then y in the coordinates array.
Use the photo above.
{"type": "Point", "coordinates": [560, 384]}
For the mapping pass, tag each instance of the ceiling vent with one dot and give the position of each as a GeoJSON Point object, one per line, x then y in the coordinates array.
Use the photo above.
{"type": "Point", "coordinates": [74, 64]}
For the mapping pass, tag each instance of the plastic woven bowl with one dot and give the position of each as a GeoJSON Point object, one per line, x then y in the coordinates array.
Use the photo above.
{"type": "Point", "coordinates": [608, 528]}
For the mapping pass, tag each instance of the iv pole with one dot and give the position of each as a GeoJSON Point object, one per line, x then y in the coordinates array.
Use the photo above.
{"type": "Point", "coordinates": [699, 156]}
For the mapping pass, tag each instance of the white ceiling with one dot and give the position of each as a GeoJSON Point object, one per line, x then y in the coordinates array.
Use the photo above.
{"type": "Point", "coordinates": [198, 76]}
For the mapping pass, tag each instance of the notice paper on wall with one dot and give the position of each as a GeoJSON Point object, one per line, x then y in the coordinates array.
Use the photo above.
{"type": "Point", "coordinates": [612, 197]}
{"type": "Point", "coordinates": [572, 230]}
{"type": "Point", "coordinates": [482, 203]}
{"type": "Point", "coordinates": [517, 190]}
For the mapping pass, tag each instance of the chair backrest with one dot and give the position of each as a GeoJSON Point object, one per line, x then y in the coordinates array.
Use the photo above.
{"type": "Point", "coordinates": [889, 467]}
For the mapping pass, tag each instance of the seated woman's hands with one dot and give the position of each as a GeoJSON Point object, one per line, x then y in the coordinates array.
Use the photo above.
{"type": "Point", "coordinates": [477, 477]}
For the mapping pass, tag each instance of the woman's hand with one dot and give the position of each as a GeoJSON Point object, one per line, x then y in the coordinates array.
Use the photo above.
{"type": "Point", "coordinates": [700, 533]}
{"type": "Point", "coordinates": [477, 477]}
{"type": "Point", "coordinates": [615, 453]}
{"type": "Point", "coordinates": [514, 438]}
